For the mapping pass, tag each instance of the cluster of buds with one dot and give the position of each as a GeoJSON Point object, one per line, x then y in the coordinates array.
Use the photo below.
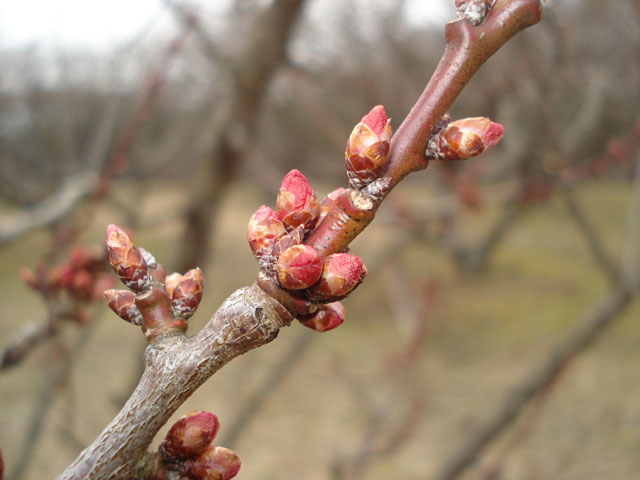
{"type": "Point", "coordinates": [78, 281]}
{"type": "Point", "coordinates": [368, 148]}
{"type": "Point", "coordinates": [187, 450]}
{"type": "Point", "coordinates": [157, 301]}
{"type": "Point", "coordinates": [463, 139]}
{"type": "Point", "coordinates": [277, 239]}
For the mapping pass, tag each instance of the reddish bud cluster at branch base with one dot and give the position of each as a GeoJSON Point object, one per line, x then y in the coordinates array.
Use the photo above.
{"type": "Point", "coordinates": [159, 303]}
{"type": "Point", "coordinates": [464, 139]}
{"type": "Point", "coordinates": [277, 239]}
{"type": "Point", "coordinates": [368, 148]}
{"type": "Point", "coordinates": [187, 451]}
{"type": "Point", "coordinates": [78, 281]}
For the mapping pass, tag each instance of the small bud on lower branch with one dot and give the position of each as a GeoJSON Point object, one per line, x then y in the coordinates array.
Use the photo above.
{"type": "Point", "coordinates": [296, 202]}
{"type": "Point", "coordinates": [264, 230]}
{"type": "Point", "coordinates": [327, 317]}
{"type": "Point", "coordinates": [189, 436]}
{"type": "Point", "coordinates": [464, 138]}
{"type": "Point", "coordinates": [123, 303]}
{"type": "Point", "coordinates": [127, 260]}
{"type": "Point", "coordinates": [341, 274]}
{"type": "Point", "coordinates": [187, 294]}
{"type": "Point", "coordinates": [216, 463]}
{"type": "Point", "coordinates": [368, 148]}
{"type": "Point", "coordinates": [298, 267]}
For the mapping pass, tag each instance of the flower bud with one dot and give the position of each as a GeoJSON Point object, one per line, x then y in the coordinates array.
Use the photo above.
{"type": "Point", "coordinates": [298, 267]}
{"type": "Point", "coordinates": [187, 294]}
{"type": "Point", "coordinates": [127, 260]}
{"type": "Point", "coordinates": [327, 317]}
{"type": "Point", "coordinates": [296, 202]}
{"type": "Point", "coordinates": [81, 286]}
{"type": "Point", "coordinates": [29, 277]}
{"type": "Point", "coordinates": [368, 148]}
{"type": "Point", "coordinates": [464, 139]}
{"type": "Point", "coordinates": [123, 303]}
{"type": "Point", "coordinates": [171, 282]}
{"type": "Point", "coordinates": [215, 463]}
{"type": "Point", "coordinates": [265, 229]}
{"type": "Point", "coordinates": [341, 273]}
{"type": "Point", "coordinates": [189, 436]}
{"type": "Point", "coordinates": [328, 202]}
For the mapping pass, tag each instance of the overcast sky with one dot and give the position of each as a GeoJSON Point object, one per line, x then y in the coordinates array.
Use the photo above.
{"type": "Point", "coordinates": [103, 24]}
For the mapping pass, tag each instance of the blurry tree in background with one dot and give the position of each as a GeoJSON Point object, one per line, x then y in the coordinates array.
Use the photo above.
{"type": "Point", "coordinates": [179, 137]}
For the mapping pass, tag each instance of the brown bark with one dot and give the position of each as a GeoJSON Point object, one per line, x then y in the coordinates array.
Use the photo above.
{"type": "Point", "coordinates": [175, 367]}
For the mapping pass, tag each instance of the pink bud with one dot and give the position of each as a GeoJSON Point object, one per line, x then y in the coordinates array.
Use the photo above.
{"type": "Point", "coordinates": [127, 260]}
{"type": "Point", "coordinates": [298, 267]}
{"type": "Point", "coordinates": [464, 139]}
{"type": "Point", "coordinates": [123, 303]}
{"type": "Point", "coordinates": [81, 286]}
{"type": "Point", "coordinates": [190, 436]}
{"type": "Point", "coordinates": [264, 230]}
{"type": "Point", "coordinates": [171, 281]}
{"type": "Point", "coordinates": [187, 294]}
{"type": "Point", "coordinates": [215, 463]}
{"type": "Point", "coordinates": [327, 317]}
{"type": "Point", "coordinates": [368, 148]}
{"type": "Point", "coordinates": [29, 277]}
{"type": "Point", "coordinates": [341, 273]}
{"type": "Point", "coordinates": [296, 202]}
{"type": "Point", "coordinates": [328, 202]}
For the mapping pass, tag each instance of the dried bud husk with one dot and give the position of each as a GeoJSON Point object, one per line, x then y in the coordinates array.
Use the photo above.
{"type": "Point", "coordinates": [215, 463]}
{"type": "Point", "coordinates": [298, 267]}
{"type": "Point", "coordinates": [123, 303]}
{"type": "Point", "coordinates": [473, 10]}
{"type": "Point", "coordinates": [368, 148]}
{"type": "Point", "coordinates": [127, 260]}
{"type": "Point", "coordinates": [189, 436]}
{"type": "Point", "coordinates": [296, 202]}
{"type": "Point", "coordinates": [327, 317]}
{"type": "Point", "coordinates": [464, 138]}
{"type": "Point", "coordinates": [264, 230]}
{"type": "Point", "coordinates": [187, 294]}
{"type": "Point", "coordinates": [341, 274]}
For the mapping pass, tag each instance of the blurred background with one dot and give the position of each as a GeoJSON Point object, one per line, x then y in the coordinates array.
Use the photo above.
{"type": "Point", "coordinates": [497, 334]}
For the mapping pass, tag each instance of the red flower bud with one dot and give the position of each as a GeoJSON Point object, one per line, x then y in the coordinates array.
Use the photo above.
{"type": "Point", "coordinates": [171, 282]}
{"type": "Point", "coordinates": [81, 286]}
{"type": "Point", "coordinates": [265, 229]}
{"type": "Point", "coordinates": [464, 139]}
{"type": "Point", "coordinates": [341, 273]}
{"type": "Point", "coordinates": [29, 277]}
{"type": "Point", "coordinates": [298, 267]}
{"type": "Point", "coordinates": [328, 202]}
{"type": "Point", "coordinates": [123, 303]}
{"type": "Point", "coordinates": [187, 294]}
{"type": "Point", "coordinates": [216, 463]}
{"type": "Point", "coordinates": [368, 148]}
{"type": "Point", "coordinates": [127, 260]}
{"type": "Point", "coordinates": [296, 202]}
{"type": "Point", "coordinates": [189, 436]}
{"type": "Point", "coordinates": [327, 317]}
